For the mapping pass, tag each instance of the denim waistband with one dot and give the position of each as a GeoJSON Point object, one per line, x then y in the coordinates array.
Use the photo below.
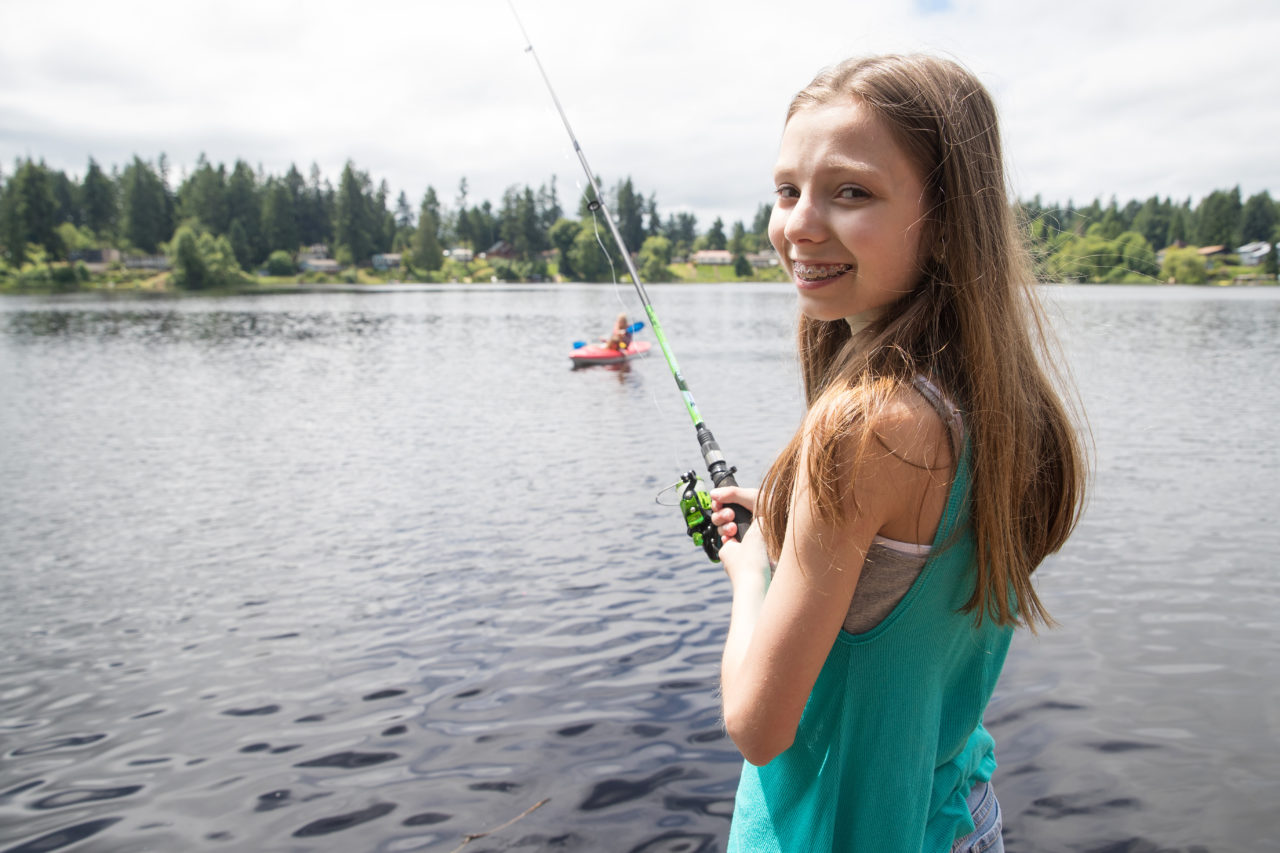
{"type": "Point", "coordinates": [980, 802]}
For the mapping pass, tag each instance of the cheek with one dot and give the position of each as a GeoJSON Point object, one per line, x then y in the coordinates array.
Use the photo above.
{"type": "Point", "coordinates": [777, 225]}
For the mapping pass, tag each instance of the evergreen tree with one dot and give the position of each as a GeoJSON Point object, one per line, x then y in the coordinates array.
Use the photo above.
{"type": "Point", "coordinates": [462, 228]}
{"type": "Point", "coordinates": [244, 205]}
{"type": "Point", "coordinates": [549, 210]}
{"type": "Point", "coordinates": [682, 231]}
{"type": "Point", "coordinates": [1180, 224]}
{"type": "Point", "coordinates": [316, 213]}
{"type": "Point", "coordinates": [630, 215]}
{"type": "Point", "coordinates": [760, 224]}
{"type": "Point", "coordinates": [143, 209]}
{"type": "Point", "coordinates": [738, 239]}
{"type": "Point", "coordinates": [715, 236]}
{"type": "Point", "coordinates": [384, 222]}
{"type": "Point", "coordinates": [404, 213]}
{"type": "Point", "coordinates": [1259, 218]}
{"type": "Point", "coordinates": [203, 196]}
{"type": "Point", "coordinates": [29, 213]}
{"type": "Point", "coordinates": [98, 203]}
{"type": "Point", "coordinates": [240, 245]}
{"type": "Point", "coordinates": [1112, 224]}
{"type": "Point", "coordinates": [1152, 221]}
{"type": "Point", "coordinates": [655, 221]}
{"type": "Point", "coordinates": [427, 252]}
{"type": "Point", "coordinates": [279, 217]}
{"type": "Point", "coordinates": [64, 195]}
{"type": "Point", "coordinates": [484, 226]}
{"type": "Point", "coordinates": [354, 225]}
{"type": "Point", "coordinates": [1218, 218]}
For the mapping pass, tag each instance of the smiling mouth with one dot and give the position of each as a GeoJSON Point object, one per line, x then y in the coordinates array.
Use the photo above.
{"type": "Point", "coordinates": [819, 272]}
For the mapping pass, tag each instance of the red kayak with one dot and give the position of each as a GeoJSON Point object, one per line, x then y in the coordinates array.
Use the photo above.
{"type": "Point", "coordinates": [597, 354]}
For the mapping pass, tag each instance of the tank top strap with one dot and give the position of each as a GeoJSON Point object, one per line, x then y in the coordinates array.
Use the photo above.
{"type": "Point", "coordinates": [946, 409]}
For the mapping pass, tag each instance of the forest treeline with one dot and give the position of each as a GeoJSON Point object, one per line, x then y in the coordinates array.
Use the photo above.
{"type": "Point", "coordinates": [216, 223]}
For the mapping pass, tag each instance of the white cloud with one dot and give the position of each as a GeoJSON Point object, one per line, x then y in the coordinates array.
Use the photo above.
{"type": "Point", "coordinates": [1098, 98]}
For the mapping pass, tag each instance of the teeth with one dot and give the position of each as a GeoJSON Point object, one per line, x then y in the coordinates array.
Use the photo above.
{"type": "Point", "coordinates": [818, 272]}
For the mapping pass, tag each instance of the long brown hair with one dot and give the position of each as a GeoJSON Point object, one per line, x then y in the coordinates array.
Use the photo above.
{"type": "Point", "coordinates": [972, 325]}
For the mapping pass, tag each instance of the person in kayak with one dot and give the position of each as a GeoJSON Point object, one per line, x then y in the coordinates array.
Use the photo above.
{"type": "Point", "coordinates": [875, 596]}
{"type": "Point", "coordinates": [620, 337]}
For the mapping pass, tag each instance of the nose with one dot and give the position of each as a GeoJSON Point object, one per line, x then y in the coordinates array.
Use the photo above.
{"type": "Point", "coordinates": [805, 222]}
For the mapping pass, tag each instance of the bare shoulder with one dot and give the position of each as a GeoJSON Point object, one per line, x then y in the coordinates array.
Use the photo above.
{"type": "Point", "coordinates": [910, 430]}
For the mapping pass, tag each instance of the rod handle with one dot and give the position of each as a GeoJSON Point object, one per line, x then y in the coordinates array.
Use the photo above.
{"type": "Point", "coordinates": [722, 475]}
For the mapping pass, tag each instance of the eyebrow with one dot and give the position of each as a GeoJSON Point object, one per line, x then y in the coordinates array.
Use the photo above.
{"type": "Point", "coordinates": [833, 165]}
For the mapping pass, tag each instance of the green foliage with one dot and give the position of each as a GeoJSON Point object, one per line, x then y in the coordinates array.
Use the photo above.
{"type": "Point", "coordinates": [520, 270]}
{"type": "Point", "coordinates": [239, 239]}
{"type": "Point", "coordinates": [40, 273]}
{"type": "Point", "coordinates": [655, 259]}
{"type": "Point", "coordinates": [189, 271]}
{"type": "Point", "coordinates": [715, 236]}
{"type": "Point", "coordinates": [563, 234]}
{"type": "Point", "coordinates": [355, 225]}
{"type": "Point", "coordinates": [427, 252]}
{"type": "Point", "coordinates": [237, 219]}
{"type": "Point", "coordinates": [202, 261]}
{"type": "Point", "coordinates": [145, 208]}
{"type": "Point", "coordinates": [1094, 257]}
{"type": "Point", "coordinates": [1218, 219]}
{"type": "Point", "coordinates": [1259, 218]}
{"type": "Point", "coordinates": [98, 201]}
{"type": "Point", "coordinates": [590, 260]}
{"type": "Point", "coordinates": [521, 224]}
{"type": "Point", "coordinates": [279, 263]}
{"type": "Point", "coordinates": [203, 196]}
{"type": "Point", "coordinates": [76, 239]}
{"type": "Point", "coordinates": [1184, 266]}
{"type": "Point", "coordinates": [629, 214]}
{"type": "Point", "coordinates": [29, 213]}
{"type": "Point", "coordinates": [280, 231]}
{"type": "Point", "coordinates": [244, 206]}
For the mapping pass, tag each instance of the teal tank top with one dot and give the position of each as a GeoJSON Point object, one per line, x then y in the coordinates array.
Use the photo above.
{"type": "Point", "coordinates": [891, 739]}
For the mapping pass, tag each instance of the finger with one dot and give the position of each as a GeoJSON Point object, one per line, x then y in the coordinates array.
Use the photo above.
{"type": "Point", "coordinates": [727, 495]}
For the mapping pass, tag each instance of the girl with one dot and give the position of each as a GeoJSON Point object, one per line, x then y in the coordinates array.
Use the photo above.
{"type": "Point", "coordinates": [620, 337]}
{"type": "Point", "coordinates": [936, 466]}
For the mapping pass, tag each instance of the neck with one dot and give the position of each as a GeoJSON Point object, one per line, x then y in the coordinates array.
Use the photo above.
{"type": "Point", "coordinates": [858, 322]}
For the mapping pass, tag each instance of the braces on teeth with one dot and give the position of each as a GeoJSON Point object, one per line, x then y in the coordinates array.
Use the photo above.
{"type": "Point", "coordinates": [819, 272]}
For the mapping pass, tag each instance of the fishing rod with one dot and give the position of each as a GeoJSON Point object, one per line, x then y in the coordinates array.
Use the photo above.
{"type": "Point", "coordinates": [695, 505]}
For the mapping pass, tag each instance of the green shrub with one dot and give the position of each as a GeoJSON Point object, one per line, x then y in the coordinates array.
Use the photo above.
{"type": "Point", "coordinates": [280, 264]}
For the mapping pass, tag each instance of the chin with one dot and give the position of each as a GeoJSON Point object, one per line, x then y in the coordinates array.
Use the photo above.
{"type": "Point", "coordinates": [816, 310]}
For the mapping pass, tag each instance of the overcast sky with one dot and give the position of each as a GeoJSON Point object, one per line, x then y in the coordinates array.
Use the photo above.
{"type": "Point", "coordinates": [1097, 97]}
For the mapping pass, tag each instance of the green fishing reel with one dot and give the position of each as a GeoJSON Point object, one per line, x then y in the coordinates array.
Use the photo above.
{"type": "Point", "coordinates": [695, 506]}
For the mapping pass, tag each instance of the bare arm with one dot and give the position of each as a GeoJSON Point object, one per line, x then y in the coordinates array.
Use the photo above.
{"type": "Point", "coordinates": [781, 630]}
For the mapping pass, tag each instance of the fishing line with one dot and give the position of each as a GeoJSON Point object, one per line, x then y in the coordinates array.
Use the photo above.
{"type": "Point", "coordinates": [653, 393]}
{"type": "Point", "coordinates": [719, 469]}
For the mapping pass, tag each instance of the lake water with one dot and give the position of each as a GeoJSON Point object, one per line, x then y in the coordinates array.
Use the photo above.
{"type": "Point", "coordinates": [377, 570]}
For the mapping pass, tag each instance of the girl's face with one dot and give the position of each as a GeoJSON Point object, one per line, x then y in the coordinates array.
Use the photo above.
{"type": "Point", "coordinates": [849, 211]}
